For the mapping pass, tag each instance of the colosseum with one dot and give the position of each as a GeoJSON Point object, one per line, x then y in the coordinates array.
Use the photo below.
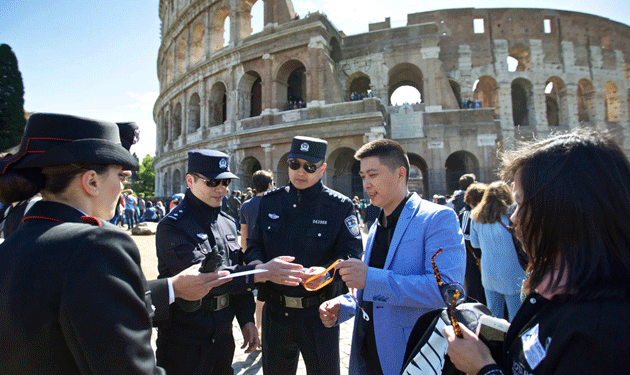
{"type": "Point", "coordinates": [486, 77]}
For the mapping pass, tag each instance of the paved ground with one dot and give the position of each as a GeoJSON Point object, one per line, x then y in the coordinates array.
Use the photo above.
{"type": "Point", "coordinates": [248, 364]}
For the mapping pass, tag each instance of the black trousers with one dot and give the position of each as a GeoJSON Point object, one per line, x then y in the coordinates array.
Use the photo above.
{"type": "Point", "coordinates": [287, 332]}
{"type": "Point", "coordinates": [213, 358]}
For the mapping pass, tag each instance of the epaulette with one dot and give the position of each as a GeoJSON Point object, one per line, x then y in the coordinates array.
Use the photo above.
{"type": "Point", "coordinates": [276, 190]}
{"type": "Point", "coordinates": [91, 220]}
{"type": "Point", "coordinates": [225, 214]}
{"type": "Point", "coordinates": [335, 195]}
{"type": "Point", "coordinates": [176, 213]}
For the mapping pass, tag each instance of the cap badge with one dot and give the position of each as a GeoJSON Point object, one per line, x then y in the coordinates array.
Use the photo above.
{"type": "Point", "coordinates": [136, 136]}
{"type": "Point", "coordinates": [223, 163]}
{"type": "Point", "coordinates": [304, 147]}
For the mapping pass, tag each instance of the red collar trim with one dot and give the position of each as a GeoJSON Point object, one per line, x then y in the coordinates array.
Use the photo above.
{"type": "Point", "coordinates": [41, 218]}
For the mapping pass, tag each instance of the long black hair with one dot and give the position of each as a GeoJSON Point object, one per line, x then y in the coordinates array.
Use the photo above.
{"type": "Point", "coordinates": [575, 212]}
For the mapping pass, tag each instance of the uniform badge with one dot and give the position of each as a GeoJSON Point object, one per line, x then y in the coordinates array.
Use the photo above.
{"type": "Point", "coordinates": [136, 136]}
{"type": "Point", "coordinates": [230, 237]}
{"type": "Point", "coordinates": [223, 163]}
{"type": "Point", "coordinates": [274, 216]}
{"type": "Point", "coordinates": [202, 236]}
{"type": "Point", "coordinates": [352, 225]}
{"type": "Point", "coordinates": [304, 147]}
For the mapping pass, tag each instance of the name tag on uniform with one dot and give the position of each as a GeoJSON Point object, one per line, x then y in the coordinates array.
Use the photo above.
{"type": "Point", "coordinates": [230, 237]}
{"type": "Point", "coordinates": [532, 348]}
{"type": "Point", "coordinates": [320, 222]}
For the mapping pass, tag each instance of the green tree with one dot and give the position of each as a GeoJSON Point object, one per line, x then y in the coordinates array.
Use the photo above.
{"type": "Point", "coordinates": [12, 120]}
{"type": "Point", "coordinates": [145, 182]}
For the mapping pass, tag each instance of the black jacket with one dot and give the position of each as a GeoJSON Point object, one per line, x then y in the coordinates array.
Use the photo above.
{"type": "Point", "coordinates": [316, 225]}
{"type": "Point", "coordinates": [574, 336]}
{"type": "Point", "coordinates": [72, 297]}
{"type": "Point", "coordinates": [183, 238]}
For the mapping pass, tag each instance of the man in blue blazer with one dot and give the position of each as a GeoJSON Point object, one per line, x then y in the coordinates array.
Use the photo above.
{"type": "Point", "coordinates": [395, 281]}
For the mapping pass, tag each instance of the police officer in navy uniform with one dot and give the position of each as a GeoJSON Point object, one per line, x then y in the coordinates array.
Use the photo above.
{"type": "Point", "coordinates": [73, 297]}
{"type": "Point", "coordinates": [199, 340]}
{"type": "Point", "coordinates": [305, 227]}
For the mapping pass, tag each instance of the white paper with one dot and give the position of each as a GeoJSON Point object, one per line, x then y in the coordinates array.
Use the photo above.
{"type": "Point", "coordinates": [244, 273]}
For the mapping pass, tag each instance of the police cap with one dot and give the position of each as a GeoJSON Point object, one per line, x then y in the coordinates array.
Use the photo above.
{"type": "Point", "coordinates": [211, 164]}
{"type": "Point", "coordinates": [307, 148]}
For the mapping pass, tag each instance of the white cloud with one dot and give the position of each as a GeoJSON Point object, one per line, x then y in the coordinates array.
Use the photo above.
{"type": "Point", "coordinates": [143, 101]}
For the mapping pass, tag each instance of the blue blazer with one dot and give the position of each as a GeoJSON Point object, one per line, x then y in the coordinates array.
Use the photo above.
{"type": "Point", "coordinates": [406, 287]}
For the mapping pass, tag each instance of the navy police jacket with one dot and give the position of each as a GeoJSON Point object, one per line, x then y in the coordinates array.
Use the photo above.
{"type": "Point", "coordinates": [183, 238]}
{"type": "Point", "coordinates": [316, 225]}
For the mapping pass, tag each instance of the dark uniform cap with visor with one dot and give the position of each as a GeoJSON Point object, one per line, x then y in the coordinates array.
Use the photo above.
{"type": "Point", "coordinates": [52, 140]}
{"type": "Point", "coordinates": [307, 148]}
{"type": "Point", "coordinates": [211, 164]}
{"type": "Point", "coordinates": [129, 134]}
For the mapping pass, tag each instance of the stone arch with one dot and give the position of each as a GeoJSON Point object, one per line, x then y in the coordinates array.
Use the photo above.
{"type": "Point", "coordinates": [418, 176]}
{"type": "Point", "coordinates": [486, 90]}
{"type": "Point", "coordinates": [457, 164]}
{"type": "Point", "coordinates": [345, 172]}
{"type": "Point", "coordinates": [612, 101]}
{"type": "Point", "coordinates": [291, 81]}
{"type": "Point", "coordinates": [359, 83]}
{"type": "Point", "coordinates": [335, 50]}
{"type": "Point", "coordinates": [556, 102]}
{"type": "Point", "coordinates": [586, 101]}
{"type": "Point", "coordinates": [217, 29]}
{"type": "Point", "coordinates": [522, 55]}
{"type": "Point", "coordinates": [177, 182]}
{"type": "Point", "coordinates": [217, 104]}
{"type": "Point", "coordinates": [177, 121]}
{"type": "Point", "coordinates": [194, 114]}
{"type": "Point", "coordinates": [405, 74]}
{"type": "Point", "coordinates": [165, 126]}
{"type": "Point", "coordinates": [197, 44]}
{"type": "Point", "coordinates": [249, 95]}
{"type": "Point", "coordinates": [281, 175]}
{"type": "Point", "coordinates": [249, 165]}
{"type": "Point", "coordinates": [165, 187]}
{"type": "Point", "coordinates": [522, 102]}
{"type": "Point", "coordinates": [169, 67]}
{"type": "Point", "coordinates": [180, 58]}
{"type": "Point", "coordinates": [457, 91]}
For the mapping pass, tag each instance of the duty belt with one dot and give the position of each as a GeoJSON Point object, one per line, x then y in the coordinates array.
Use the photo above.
{"type": "Point", "coordinates": [296, 302]}
{"type": "Point", "coordinates": [215, 303]}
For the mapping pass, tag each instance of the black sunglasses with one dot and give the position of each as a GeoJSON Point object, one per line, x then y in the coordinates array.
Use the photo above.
{"type": "Point", "coordinates": [214, 183]}
{"type": "Point", "coordinates": [308, 167]}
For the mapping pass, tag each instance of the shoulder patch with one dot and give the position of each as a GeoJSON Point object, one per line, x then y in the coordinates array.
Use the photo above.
{"type": "Point", "coordinates": [352, 225]}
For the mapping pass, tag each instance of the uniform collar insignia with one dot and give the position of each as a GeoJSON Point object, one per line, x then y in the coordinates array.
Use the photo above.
{"type": "Point", "coordinates": [202, 236]}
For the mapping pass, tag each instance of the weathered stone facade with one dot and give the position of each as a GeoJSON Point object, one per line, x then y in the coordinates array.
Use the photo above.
{"type": "Point", "coordinates": [573, 69]}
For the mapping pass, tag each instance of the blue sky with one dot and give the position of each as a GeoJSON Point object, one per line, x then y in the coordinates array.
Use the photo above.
{"type": "Point", "coordinates": [98, 58]}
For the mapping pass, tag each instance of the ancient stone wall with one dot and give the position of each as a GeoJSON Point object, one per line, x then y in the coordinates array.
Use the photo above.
{"type": "Point", "coordinates": [524, 72]}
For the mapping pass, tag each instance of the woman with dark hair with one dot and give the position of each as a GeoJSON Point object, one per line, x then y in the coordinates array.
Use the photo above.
{"type": "Point", "coordinates": [501, 275]}
{"type": "Point", "coordinates": [573, 197]}
{"type": "Point", "coordinates": [72, 294]}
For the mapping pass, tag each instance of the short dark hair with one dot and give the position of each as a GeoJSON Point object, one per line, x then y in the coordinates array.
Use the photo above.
{"type": "Point", "coordinates": [466, 180]}
{"type": "Point", "coordinates": [574, 212]}
{"type": "Point", "coordinates": [389, 153]}
{"type": "Point", "coordinates": [262, 179]}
